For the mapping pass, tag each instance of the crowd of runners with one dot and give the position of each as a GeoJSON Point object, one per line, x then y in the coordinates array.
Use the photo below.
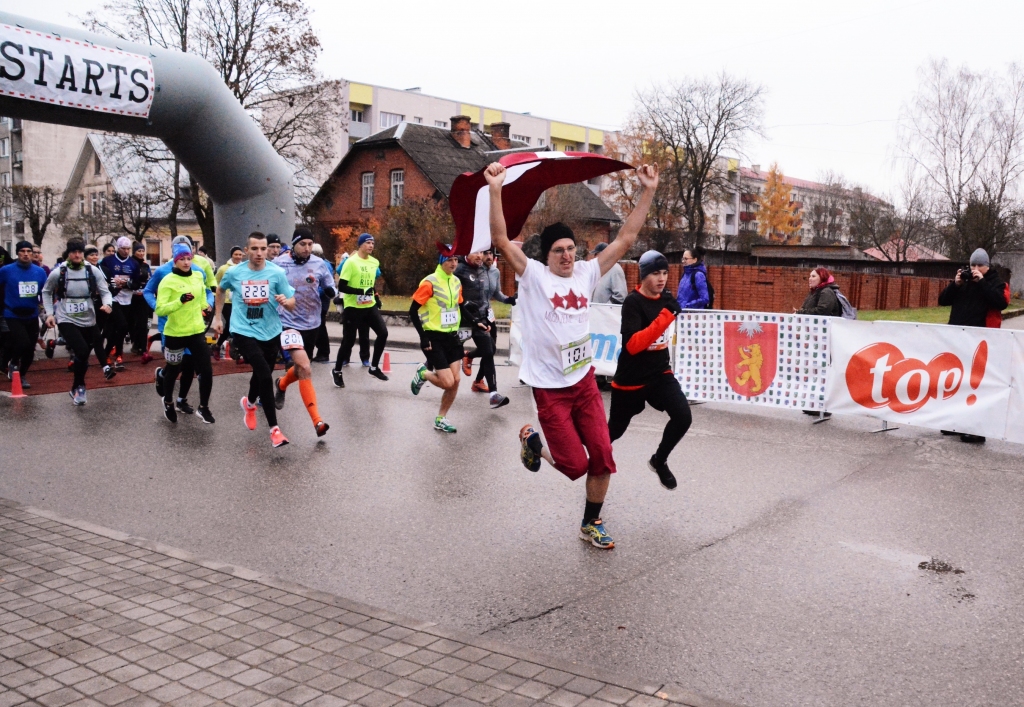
{"type": "Point", "coordinates": [268, 303]}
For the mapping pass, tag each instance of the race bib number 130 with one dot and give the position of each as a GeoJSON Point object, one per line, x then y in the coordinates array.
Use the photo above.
{"type": "Point", "coordinates": [575, 355]}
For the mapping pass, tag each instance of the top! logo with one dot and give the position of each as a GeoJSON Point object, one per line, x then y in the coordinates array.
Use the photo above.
{"type": "Point", "coordinates": [880, 376]}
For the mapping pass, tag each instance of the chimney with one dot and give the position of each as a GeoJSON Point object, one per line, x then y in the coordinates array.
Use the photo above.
{"type": "Point", "coordinates": [499, 135]}
{"type": "Point", "coordinates": [460, 130]}
{"type": "Point", "coordinates": [756, 168]}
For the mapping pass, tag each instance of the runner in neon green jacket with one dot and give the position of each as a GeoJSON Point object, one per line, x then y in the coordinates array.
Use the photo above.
{"type": "Point", "coordinates": [181, 298]}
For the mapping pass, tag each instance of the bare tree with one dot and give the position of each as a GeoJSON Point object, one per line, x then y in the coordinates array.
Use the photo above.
{"type": "Point", "coordinates": [964, 132]}
{"type": "Point", "coordinates": [36, 205]}
{"type": "Point", "coordinates": [696, 120]}
{"type": "Point", "coordinates": [827, 208]}
{"type": "Point", "coordinates": [896, 230]}
{"type": "Point", "coordinates": [266, 52]}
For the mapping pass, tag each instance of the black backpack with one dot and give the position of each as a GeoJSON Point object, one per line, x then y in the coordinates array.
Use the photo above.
{"type": "Point", "coordinates": [711, 290]}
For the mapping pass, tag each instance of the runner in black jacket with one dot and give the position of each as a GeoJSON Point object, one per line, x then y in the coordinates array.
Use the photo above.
{"type": "Point", "coordinates": [644, 373]}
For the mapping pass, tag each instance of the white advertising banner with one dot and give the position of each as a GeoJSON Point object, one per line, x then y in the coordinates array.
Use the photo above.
{"type": "Point", "coordinates": [932, 375]}
{"type": "Point", "coordinates": [41, 67]}
{"type": "Point", "coordinates": [780, 360]}
{"type": "Point", "coordinates": [1015, 407]}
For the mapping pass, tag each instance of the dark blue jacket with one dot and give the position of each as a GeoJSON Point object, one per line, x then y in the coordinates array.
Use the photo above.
{"type": "Point", "coordinates": [20, 287]}
{"type": "Point", "coordinates": [693, 287]}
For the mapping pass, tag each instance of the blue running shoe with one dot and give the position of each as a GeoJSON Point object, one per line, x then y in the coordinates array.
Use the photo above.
{"type": "Point", "coordinates": [596, 535]}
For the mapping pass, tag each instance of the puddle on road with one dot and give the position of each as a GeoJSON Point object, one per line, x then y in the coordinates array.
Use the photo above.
{"type": "Point", "coordinates": [939, 566]}
{"type": "Point", "coordinates": [899, 557]}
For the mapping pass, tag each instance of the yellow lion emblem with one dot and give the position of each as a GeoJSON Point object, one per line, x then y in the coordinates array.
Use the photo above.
{"type": "Point", "coordinates": [751, 360]}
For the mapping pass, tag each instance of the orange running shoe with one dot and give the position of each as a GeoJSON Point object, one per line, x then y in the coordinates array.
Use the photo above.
{"type": "Point", "coordinates": [467, 365]}
{"type": "Point", "coordinates": [277, 437]}
{"type": "Point", "coordinates": [250, 413]}
{"type": "Point", "coordinates": [479, 386]}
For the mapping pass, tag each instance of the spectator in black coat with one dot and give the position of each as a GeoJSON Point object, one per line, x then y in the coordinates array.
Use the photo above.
{"type": "Point", "coordinates": [974, 301]}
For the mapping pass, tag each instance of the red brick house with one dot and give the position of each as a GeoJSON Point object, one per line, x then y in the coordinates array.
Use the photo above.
{"type": "Point", "coordinates": [414, 161]}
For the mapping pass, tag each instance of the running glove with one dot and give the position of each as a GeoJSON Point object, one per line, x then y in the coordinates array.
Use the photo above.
{"type": "Point", "coordinates": [187, 297]}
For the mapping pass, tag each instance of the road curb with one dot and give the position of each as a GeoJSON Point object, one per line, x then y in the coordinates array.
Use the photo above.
{"type": "Point", "coordinates": [665, 693]}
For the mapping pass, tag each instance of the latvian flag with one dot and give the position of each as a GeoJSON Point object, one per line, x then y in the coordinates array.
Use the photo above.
{"type": "Point", "coordinates": [527, 175]}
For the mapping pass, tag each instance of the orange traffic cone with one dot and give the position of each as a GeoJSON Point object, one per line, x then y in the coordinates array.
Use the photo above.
{"type": "Point", "coordinates": [386, 368]}
{"type": "Point", "coordinates": [16, 391]}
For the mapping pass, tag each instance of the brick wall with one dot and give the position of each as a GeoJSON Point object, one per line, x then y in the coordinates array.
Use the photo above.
{"type": "Point", "coordinates": [778, 289]}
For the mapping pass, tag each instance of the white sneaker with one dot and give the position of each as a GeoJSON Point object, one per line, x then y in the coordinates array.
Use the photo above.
{"type": "Point", "coordinates": [498, 400]}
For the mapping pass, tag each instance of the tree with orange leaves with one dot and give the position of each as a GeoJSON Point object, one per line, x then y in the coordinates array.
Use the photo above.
{"type": "Point", "coordinates": [776, 217]}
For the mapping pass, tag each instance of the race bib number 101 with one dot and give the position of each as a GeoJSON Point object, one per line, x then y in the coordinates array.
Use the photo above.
{"type": "Point", "coordinates": [575, 355]}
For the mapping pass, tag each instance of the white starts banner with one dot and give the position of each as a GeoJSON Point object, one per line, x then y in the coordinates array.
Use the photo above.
{"type": "Point", "coordinates": [931, 375]}
{"type": "Point", "coordinates": [779, 360]}
{"type": "Point", "coordinates": [605, 337]}
{"type": "Point", "coordinates": [67, 72]}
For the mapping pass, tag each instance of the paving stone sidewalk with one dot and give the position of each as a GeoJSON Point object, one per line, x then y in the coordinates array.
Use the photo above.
{"type": "Point", "coordinates": [90, 616]}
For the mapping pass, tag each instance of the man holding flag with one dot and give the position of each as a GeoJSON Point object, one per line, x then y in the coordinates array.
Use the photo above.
{"type": "Point", "coordinates": [554, 296]}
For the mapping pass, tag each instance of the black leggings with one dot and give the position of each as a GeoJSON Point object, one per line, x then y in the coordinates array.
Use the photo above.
{"type": "Point", "coordinates": [20, 342]}
{"type": "Point", "coordinates": [226, 318]}
{"type": "Point", "coordinates": [664, 395]}
{"type": "Point", "coordinates": [355, 318]}
{"type": "Point", "coordinates": [262, 356]}
{"type": "Point", "coordinates": [174, 348]}
{"type": "Point", "coordinates": [485, 350]}
{"type": "Point", "coordinates": [117, 327]}
{"type": "Point", "coordinates": [81, 340]}
{"type": "Point", "coordinates": [142, 315]}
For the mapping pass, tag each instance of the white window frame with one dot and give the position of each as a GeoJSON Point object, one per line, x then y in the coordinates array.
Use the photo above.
{"type": "Point", "coordinates": [397, 186]}
{"type": "Point", "coordinates": [103, 202]}
{"type": "Point", "coordinates": [358, 115]}
{"type": "Point", "coordinates": [5, 179]}
{"type": "Point", "coordinates": [5, 147]}
{"type": "Point", "coordinates": [389, 120]}
{"type": "Point", "coordinates": [366, 200]}
{"type": "Point", "coordinates": [94, 200]}
{"type": "Point", "coordinates": [540, 142]}
{"type": "Point", "coordinates": [81, 204]}
{"type": "Point", "coordinates": [522, 138]}
{"type": "Point", "coordinates": [7, 215]}
{"type": "Point", "coordinates": [417, 119]}
{"type": "Point", "coordinates": [440, 123]}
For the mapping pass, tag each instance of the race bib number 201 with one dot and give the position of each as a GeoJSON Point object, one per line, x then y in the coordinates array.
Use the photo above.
{"type": "Point", "coordinates": [291, 340]}
{"type": "Point", "coordinates": [575, 355]}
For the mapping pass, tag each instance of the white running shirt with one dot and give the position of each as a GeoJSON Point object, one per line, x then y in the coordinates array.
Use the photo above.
{"type": "Point", "coordinates": [555, 314]}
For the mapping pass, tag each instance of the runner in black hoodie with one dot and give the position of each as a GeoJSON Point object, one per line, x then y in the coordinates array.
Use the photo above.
{"type": "Point", "coordinates": [644, 373]}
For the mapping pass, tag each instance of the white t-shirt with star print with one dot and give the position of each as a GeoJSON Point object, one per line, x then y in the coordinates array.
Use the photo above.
{"type": "Point", "coordinates": [554, 315]}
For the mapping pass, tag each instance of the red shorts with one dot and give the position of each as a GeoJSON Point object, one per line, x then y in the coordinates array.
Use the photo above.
{"type": "Point", "coordinates": [575, 430]}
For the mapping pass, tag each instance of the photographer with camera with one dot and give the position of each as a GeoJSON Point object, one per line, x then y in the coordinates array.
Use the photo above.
{"type": "Point", "coordinates": [976, 297]}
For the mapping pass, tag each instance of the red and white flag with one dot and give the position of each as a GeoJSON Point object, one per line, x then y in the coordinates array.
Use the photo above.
{"type": "Point", "coordinates": [527, 175]}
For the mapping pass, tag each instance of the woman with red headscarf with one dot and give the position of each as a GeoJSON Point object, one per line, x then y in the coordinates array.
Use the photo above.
{"type": "Point", "coordinates": [822, 299]}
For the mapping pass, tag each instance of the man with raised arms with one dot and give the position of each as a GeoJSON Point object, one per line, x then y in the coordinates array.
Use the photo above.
{"type": "Point", "coordinates": [554, 296]}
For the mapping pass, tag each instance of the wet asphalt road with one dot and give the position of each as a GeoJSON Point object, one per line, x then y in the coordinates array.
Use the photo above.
{"type": "Point", "coordinates": [782, 571]}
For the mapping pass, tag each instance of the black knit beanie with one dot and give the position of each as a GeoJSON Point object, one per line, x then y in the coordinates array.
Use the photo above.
{"type": "Point", "coordinates": [554, 232]}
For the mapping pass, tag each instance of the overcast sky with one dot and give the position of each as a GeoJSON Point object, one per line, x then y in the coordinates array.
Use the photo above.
{"type": "Point", "coordinates": [836, 74]}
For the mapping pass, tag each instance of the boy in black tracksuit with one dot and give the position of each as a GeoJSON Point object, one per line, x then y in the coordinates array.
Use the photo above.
{"type": "Point", "coordinates": [644, 373]}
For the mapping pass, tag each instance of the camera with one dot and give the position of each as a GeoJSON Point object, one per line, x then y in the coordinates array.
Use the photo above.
{"type": "Point", "coordinates": [966, 275]}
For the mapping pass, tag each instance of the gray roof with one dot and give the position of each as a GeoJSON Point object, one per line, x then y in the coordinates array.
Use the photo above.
{"type": "Point", "coordinates": [442, 159]}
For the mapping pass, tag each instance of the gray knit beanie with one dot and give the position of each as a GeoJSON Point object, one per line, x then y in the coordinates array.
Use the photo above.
{"type": "Point", "coordinates": [979, 257]}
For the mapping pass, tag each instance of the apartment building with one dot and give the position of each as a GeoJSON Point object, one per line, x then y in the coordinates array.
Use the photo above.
{"type": "Point", "coordinates": [35, 154]}
{"type": "Point", "coordinates": [375, 108]}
